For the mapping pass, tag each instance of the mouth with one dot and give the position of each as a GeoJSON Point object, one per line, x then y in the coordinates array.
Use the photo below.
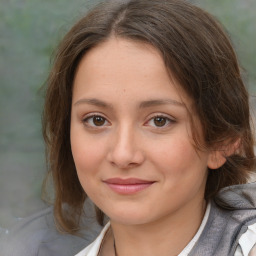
{"type": "Point", "coordinates": [128, 186]}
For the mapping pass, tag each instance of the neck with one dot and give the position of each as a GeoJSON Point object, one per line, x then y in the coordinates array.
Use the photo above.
{"type": "Point", "coordinates": [168, 236]}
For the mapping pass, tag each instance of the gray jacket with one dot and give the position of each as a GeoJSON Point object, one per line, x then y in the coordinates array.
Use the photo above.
{"type": "Point", "coordinates": [37, 236]}
{"type": "Point", "coordinates": [232, 211]}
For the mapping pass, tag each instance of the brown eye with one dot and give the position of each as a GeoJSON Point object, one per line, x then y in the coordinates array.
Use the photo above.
{"type": "Point", "coordinates": [94, 121]}
{"type": "Point", "coordinates": [98, 120]}
{"type": "Point", "coordinates": [160, 121]}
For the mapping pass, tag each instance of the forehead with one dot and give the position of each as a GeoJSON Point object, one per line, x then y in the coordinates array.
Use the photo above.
{"type": "Point", "coordinates": [124, 66]}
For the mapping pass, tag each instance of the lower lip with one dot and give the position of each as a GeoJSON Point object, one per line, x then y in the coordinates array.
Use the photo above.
{"type": "Point", "coordinates": [128, 189]}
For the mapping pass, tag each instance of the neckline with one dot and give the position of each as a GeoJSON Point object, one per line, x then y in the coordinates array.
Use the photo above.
{"type": "Point", "coordinates": [184, 252]}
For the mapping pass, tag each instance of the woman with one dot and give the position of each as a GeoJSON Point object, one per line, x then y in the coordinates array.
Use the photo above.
{"type": "Point", "coordinates": [146, 113]}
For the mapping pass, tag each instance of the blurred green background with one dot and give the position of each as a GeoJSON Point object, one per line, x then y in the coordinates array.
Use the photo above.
{"type": "Point", "coordinates": [29, 32]}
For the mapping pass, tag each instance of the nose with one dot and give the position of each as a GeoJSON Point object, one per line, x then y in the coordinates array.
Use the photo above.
{"type": "Point", "coordinates": [126, 150]}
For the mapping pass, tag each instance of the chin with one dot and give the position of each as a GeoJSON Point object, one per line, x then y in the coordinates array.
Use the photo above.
{"type": "Point", "coordinates": [131, 218]}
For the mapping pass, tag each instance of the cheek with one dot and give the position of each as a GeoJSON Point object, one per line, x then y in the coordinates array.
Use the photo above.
{"type": "Point", "coordinates": [178, 159]}
{"type": "Point", "coordinates": [87, 153]}
{"type": "Point", "coordinates": [170, 152]}
{"type": "Point", "coordinates": [183, 171]}
{"type": "Point", "coordinates": [88, 158]}
{"type": "Point", "coordinates": [85, 160]}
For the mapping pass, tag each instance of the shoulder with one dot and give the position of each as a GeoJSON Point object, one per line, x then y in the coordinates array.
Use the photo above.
{"type": "Point", "coordinates": [237, 197]}
{"type": "Point", "coordinates": [37, 235]}
{"type": "Point", "coordinates": [232, 214]}
{"type": "Point", "coordinates": [23, 238]}
{"type": "Point", "coordinates": [236, 205]}
{"type": "Point", "coordinates": [237, 208]}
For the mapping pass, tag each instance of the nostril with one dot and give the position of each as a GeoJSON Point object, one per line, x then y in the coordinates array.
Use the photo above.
{"type": "Point", "coordinates": [126, 161]}
{"type": "Point", "coordinates": [124, 165]}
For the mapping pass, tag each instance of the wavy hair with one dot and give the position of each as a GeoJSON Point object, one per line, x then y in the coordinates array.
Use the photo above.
{"type": "Point", "coordinates": [199, 55]}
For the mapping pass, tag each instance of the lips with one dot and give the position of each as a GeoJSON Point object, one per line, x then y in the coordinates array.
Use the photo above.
{"type": "Point", "coordinates": [127, 186]}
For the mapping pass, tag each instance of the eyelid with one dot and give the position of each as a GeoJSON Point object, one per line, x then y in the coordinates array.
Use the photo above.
{"type": "Point", "coordinates": [93, 114]}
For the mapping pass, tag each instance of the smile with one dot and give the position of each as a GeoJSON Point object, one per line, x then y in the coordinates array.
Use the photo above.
{"type": "Point", "coordinates": [127, 186]}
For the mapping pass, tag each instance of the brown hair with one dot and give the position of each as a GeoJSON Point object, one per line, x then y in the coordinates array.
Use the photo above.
{"type": "Point", "coordinates": [198, 54]}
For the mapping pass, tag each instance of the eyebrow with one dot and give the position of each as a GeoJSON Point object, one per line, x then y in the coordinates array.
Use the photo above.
{"type": "Point", "coordinates": [157, 102]}
{"type": "Point", "coordinates": [94, 102]}
{"type": "Point", "coordinates": [143, 104]}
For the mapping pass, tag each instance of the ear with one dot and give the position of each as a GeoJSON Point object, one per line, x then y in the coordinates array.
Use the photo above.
{"type": "Point", "coordinates": [218, 157]}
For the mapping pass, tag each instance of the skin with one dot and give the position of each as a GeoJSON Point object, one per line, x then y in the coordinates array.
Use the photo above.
{"type": "Point", "coordinates": [253, 251]}
{"type": "Point", "coordinates": [141, 130]}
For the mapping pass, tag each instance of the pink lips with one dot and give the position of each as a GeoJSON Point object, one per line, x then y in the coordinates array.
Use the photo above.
{"type": "Point", "coordinates": [128, 186]}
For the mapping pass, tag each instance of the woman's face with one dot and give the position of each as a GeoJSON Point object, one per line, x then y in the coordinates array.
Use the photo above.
{"type": "Point", "coordinates": [131, 136]}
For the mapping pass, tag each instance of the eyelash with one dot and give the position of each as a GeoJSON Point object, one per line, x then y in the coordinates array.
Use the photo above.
{"type": "Point", "coordinates": [89, 118]}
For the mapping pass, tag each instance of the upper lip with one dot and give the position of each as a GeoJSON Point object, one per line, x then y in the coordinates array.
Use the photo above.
{"type": "Point", "coordinates": [128, 181]}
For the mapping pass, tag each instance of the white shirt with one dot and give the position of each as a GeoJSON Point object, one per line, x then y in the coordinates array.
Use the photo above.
{"type": "Point", "coordinates": [247, 242]}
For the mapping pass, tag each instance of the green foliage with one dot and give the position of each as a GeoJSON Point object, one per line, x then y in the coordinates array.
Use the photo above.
{"type": "Point", "coordinates": [238, 17]}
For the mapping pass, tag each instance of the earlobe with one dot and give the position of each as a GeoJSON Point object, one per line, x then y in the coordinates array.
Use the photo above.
{"type": "Point", "coordinates": [216, 159]}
